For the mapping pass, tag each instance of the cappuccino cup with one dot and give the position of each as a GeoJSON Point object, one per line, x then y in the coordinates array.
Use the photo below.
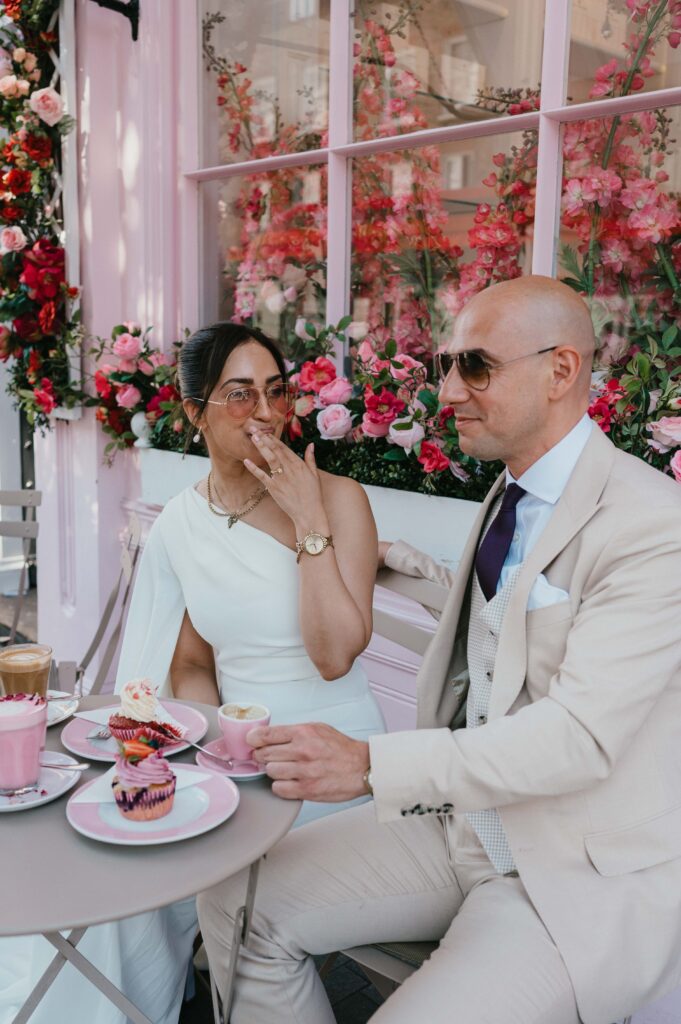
{"type": "Point", "coordinates": [23, 721]}
{"type": "Point", "coordinates": [236, 719]}
{"type": "Point", "coordinates": [25, 668]}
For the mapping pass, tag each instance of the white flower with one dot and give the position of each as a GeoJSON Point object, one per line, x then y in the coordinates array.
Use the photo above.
{"type": "Point", "coordinates": [276, 302]}
{"type": "Point", "coordinates": [406, 438]}
{"type": "Point", "coordinates": [357, 330]}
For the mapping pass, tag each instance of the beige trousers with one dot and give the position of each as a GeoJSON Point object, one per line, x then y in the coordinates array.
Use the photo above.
{"type": "Point", "coordinates": [345, 881]}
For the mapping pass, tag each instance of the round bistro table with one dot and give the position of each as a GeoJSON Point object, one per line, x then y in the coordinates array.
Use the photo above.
{"type": "Point", "coordinates": [32, 840]}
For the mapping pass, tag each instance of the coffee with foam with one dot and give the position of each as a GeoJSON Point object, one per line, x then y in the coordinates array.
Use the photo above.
{"type": "Point", "coordinates": [25, 668]}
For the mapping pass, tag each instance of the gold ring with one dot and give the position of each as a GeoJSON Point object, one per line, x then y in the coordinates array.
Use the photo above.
{"type": "Point", "coordinates": [279, 469]}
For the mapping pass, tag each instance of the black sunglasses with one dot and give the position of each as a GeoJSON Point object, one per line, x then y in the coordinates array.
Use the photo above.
{"type": "Point", "coordinates": [473, 368]}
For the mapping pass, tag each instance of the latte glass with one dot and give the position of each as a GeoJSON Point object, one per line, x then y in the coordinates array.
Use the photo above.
{"type": "Point", "coordinates": [25, 668]}
{"type": "Point", "coordinates": [23, 720]}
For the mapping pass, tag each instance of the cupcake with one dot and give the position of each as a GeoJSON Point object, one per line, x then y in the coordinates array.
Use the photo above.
{"type": "Point", "coordinates": [139, 715]}
{"type": "Point", "coordinates": [144, 783]}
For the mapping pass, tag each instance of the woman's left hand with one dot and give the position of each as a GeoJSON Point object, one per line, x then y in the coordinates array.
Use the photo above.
{"type": "Point", "coordinates": [293, 482]}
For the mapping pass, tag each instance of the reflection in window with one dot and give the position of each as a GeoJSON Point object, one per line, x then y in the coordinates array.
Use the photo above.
{"type": "Point", "coordinates": [433, 226]}
{"type": "Point", "coordinates": [437, 62]}
{"type": "Point", "coordinates": [264, 244]}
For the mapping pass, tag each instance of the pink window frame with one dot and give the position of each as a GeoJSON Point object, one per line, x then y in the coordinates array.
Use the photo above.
{"type": "Point", "coordinates": [553, 113]}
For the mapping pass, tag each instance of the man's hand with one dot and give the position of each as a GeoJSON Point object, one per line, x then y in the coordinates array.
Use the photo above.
{"type": "Point", "coordinates": [383, 548]}
{"type": "Point", "coordinates": [311, 761]}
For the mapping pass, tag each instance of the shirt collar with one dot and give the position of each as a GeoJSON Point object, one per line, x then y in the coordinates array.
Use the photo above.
{"type": "Point", "coordinates": [546, 478]}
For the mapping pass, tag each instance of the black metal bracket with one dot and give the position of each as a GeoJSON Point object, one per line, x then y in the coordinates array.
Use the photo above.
{"type": "Point", "coordinates": [130, 10]}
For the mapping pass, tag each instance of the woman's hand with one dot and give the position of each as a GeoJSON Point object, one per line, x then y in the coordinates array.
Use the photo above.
{"type": "Point", "coordinates": [294, 483]}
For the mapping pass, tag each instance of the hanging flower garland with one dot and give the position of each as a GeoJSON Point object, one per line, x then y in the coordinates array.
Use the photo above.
{"type": "Point", "coordinates": [39, 332]}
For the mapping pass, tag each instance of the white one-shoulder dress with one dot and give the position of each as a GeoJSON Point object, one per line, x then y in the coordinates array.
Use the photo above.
{"type": "Point", "coordinates": [240, 589]}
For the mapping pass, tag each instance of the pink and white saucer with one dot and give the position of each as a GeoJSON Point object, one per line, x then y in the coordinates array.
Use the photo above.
{"type": "Point", "coordinates": [52, 782]}
{"type": "Point", "coordinates": [196, 809]}
{"type": "Point", "coordinates": [244, 771]}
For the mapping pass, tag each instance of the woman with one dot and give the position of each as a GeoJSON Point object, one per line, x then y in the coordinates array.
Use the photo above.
{"type": "Point", "coordinates": [226, 608]}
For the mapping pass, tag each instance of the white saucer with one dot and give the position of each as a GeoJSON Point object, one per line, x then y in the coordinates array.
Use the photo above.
{"type": "Point", "coordinates": [60, 710]}
{"type": "Point", "coordinates": [52, 783]}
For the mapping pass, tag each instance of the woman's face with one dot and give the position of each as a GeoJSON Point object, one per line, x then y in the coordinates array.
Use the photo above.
{"type": "Point", "coordinates": [228, 428]}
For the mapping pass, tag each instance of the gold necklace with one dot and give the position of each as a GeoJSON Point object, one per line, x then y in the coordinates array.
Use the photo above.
{"type": "Point", "coordinates": [234, 517]}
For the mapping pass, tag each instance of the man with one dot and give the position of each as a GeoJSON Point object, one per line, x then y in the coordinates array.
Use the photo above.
{"type": "Point", "coordinates": [532, 823]}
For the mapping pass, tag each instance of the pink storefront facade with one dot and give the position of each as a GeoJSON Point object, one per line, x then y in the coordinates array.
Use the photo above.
{"type": "Point", "coordinates": [144, 230]}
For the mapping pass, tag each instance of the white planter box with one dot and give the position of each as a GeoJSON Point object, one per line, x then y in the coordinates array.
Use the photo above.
{"type": "Point", "coordinates": [437, 525]}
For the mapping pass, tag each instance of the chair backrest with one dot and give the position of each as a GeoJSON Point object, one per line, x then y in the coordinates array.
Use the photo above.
{"type": "Point", "coordinates": [27, 530]}
{"type": "Point", "coordinates": [429, 595]}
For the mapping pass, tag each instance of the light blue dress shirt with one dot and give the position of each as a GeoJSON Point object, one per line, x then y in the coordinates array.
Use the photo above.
{"type": "Point", "coordinates": [544, 483]}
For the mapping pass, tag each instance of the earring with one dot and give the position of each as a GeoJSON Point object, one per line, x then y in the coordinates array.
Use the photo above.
{"type": "Point", "coordinates": [197, 436]}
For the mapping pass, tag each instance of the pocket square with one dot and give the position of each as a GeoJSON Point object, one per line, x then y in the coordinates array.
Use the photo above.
{"type": "Point", "coordinates": [544, 594]}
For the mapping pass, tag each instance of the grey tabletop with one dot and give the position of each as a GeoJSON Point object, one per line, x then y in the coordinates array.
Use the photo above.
{"type": "Point", "coordinates": [55, 878]}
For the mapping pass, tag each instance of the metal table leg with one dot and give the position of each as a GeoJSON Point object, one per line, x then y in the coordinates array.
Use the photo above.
{"type": "Point", "coordinates": [242, 926]}
{"type": "Point", "coordinates": [67, 952]}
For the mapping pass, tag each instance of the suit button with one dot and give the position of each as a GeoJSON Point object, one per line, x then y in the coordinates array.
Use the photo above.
{"type": "Point", "coordinates": [488, 674]}
{"type": "Point", "coordinates": [404, 812]}
{"type": "Point", "coordinates": [482, 719]}
{"type": "Point", "coordinates": [446, 808]}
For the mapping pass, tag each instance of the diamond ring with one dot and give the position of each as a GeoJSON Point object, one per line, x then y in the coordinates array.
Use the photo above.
{"type": "Point", "coordinates": [279, 469]}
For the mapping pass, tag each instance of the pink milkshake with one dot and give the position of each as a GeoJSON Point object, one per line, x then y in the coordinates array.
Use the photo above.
{"type": "Point", "coordinates": [23, 721]}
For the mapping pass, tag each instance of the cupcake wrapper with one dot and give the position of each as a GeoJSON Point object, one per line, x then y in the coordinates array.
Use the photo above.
{"type": "Point", "coordinates": [145, 804]}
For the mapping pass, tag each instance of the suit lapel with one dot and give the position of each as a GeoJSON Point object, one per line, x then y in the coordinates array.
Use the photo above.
{"type": "Point", "coordinates": [575, 508]}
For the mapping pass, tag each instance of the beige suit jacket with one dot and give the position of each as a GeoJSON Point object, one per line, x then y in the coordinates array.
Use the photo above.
{"type": "Point", "coordinates": [582, 749]}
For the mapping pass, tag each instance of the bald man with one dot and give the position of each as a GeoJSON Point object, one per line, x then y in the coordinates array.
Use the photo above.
{"type": "Point", "coordinates": [532, 822]}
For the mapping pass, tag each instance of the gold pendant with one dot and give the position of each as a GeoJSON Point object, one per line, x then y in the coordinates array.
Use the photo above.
{"type": "Point", "coordinates": [231, 520]}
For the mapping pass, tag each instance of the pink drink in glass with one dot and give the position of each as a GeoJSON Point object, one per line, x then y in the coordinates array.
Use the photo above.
{"type": "Point", "coordinates": [23, 721]}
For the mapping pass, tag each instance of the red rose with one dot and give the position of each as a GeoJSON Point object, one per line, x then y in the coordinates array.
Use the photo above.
{"type": "Point", "coordinates": [432, 458]}
{"type": "Point", "coordinates": [27, 327]}
{"type": "Point", "coordinates": [38, 147]}
{"type": "Point", "coordinates": [35, 363]}
{"type": "Point", "coordinates": [13, 9]}
{"type": "Point", "coordinates": [314, 375]}
{"type": "Point", "coordinates": [47, 316]}
{"type": "Point", "coordinates": [44, 396]}
{"type": "Point", "coordinates": [10, 212]}
{"type": "Point", "coordinates": [43, 272]}
{"type": "Point", "coordinates": [446, 413]}
{"type": "Point", "coordinates": [103, 385]}
{"type": "Point", "coordinates": [18, 181]}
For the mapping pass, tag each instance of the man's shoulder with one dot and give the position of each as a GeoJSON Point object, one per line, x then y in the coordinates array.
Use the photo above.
{"type": "Point", "coordinates": [640, 486]}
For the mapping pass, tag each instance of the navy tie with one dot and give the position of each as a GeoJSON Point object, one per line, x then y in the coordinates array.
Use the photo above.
{"type": "Point", "coordinates": [492, 552]}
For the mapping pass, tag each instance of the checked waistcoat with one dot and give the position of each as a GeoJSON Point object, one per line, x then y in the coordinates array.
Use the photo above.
{"type": "Point", "coordinates": [486, 618]}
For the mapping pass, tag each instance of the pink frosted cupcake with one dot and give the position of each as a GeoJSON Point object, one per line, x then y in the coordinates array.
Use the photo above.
{"type": "Point", "coordinates": [145, 789]}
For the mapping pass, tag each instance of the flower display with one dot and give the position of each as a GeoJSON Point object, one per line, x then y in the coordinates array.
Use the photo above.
{"type": "Point", "coordinates": [40, 327]}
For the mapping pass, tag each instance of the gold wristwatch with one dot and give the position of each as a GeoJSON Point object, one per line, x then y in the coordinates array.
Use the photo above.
{"type": "Point", "coordinates": [313, 543]}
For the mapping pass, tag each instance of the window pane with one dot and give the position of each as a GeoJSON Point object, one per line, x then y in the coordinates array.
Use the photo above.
{"type": "Point", "coordinates": [620, 245]}
{"type": "Point", "coordinates": [265, 78]}
{"type": "Point", "coordinates": [434, 225]}
{"type": "Point", "coordinates": [613, 53]}
{"type": "Point", "coordinates": [264, 250]}
{"type": "Point", "coordinates": [436, 62]}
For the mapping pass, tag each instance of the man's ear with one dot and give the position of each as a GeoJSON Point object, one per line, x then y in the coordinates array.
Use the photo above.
{"type": "Point", "coordinates": [566, 365]}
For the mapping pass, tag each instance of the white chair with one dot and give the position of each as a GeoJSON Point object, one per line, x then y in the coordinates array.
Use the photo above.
{"type": "Point", "coordinates": [27, 529]}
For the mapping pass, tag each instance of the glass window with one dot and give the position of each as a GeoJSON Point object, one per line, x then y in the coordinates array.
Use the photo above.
{"type": "Point", "coordinates": [619, 48]}
{"type": "Point", "coordinates": [265, 78]}
{"type": "Point", "coordinates": [264, 250]}
{"type": "Point", "coordinates": [436, 62]}
{"type": "Point", "coordinates": [432, 226]}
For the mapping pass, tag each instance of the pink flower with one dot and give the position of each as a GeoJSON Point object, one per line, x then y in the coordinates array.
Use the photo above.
{"type": "Point", "coordinates": [9, 87]}
{"type": "Point", "coordinates": [314, 375]}
{"type": "Point", "coordinates": [334, 422]}
{"type": "Point", "coordinates": [146, 367]}
{"type": "Point", "coordinates": [459, 472]}
{"type": "Point", "coordinates": [128, 396]}
{"type": "Point", "coordinates": [675, 465]}
{"type": "Point", "coordinates": [44, 396]}
{"type": "Point", "coordinates": [48, 105]}
{"type": "Point", "coordinates": [406, 438]}
{"type": "Point", "coordinates": [132, 327]}
{"type": "Point", "coordinates": [304, 405]}
{"type": "Point", "coordinates": [373, 428]}
{"type": "Point", "coordinates": [667, 431]}
{"type": "Point", "coordinates": [410, 367]}
{"type": "Point", "coordinates": [432, 458]}
{"type": "Point", "coordinates": [383, 407]}
{"type": "Point", "coordinates": [12, 239]}
{"type": "Point", "coordinates": [127, 346]}
{"type": "Point", "coordinates": [336, 392]}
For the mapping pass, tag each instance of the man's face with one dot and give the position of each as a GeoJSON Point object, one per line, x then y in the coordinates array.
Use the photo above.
{"type": "Point", "coordinates": [505, 420]}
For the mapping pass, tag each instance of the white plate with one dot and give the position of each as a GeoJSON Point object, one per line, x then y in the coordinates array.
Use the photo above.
{"type": "Point", "coordinates": [51, 780]}
{"type": "Point", "coordinates": [60, 710]}
{"type": "Point", "coordinates": [195, 810]}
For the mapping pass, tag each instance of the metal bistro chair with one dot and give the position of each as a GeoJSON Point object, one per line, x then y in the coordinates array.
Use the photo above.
{"type": "Point", "coordinates": [388, 964]}
{"type": "Point", "coordinates": [69, 675]}
{"type": "Point", "coordinates": [27, 529]}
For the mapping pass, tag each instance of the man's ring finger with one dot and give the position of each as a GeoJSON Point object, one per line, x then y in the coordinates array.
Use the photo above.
{"type": "Point", "coordinates": [279, 469]}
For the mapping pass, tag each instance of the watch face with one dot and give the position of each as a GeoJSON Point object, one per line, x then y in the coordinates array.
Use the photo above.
{"type": "Point", "coordinates": [314, 544]}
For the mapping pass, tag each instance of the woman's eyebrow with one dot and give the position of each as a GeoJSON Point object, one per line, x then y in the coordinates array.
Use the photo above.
{"type": "Point", "coordinates": [249, 380]}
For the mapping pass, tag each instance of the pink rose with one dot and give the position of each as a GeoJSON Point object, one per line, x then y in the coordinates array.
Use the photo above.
{"type": "Point", "coordinates": [406, 438]}
{"type": "Point", "coordinates": [667, 431]}
{"type": "Point", "coordinates": [314, 375]}
{"type": "Point", "coordinates": [12, 239]}
{"type": "Point", "coordinates": [8, 86]}
{"type": "Point", "coordinates": [127, 346]}
{"type": "Point", "coordinates": [291, 294]}
{"type": "Point", "coordinates": [676, 466]}
{"type": "Point", "coordinates": [373, 429]}
{"type": "Point", "coordinates": [334, 422]}
{"type": "Point", "coordinates": [146, 367]}
{"type": "Point", "coordinates": [47, 104]}
{"type": "Point", "coordinates": [432, 458]}
{"type": "Point", "coordinates": [335, 393]}
{"type": "Point", "coordinates": [128, 396]}
{"type": "Point", "coordinates": [410, 367]}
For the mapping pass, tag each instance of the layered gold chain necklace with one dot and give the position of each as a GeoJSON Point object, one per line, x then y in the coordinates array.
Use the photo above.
{"type": "Point", "coordinates": [233, 517]}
